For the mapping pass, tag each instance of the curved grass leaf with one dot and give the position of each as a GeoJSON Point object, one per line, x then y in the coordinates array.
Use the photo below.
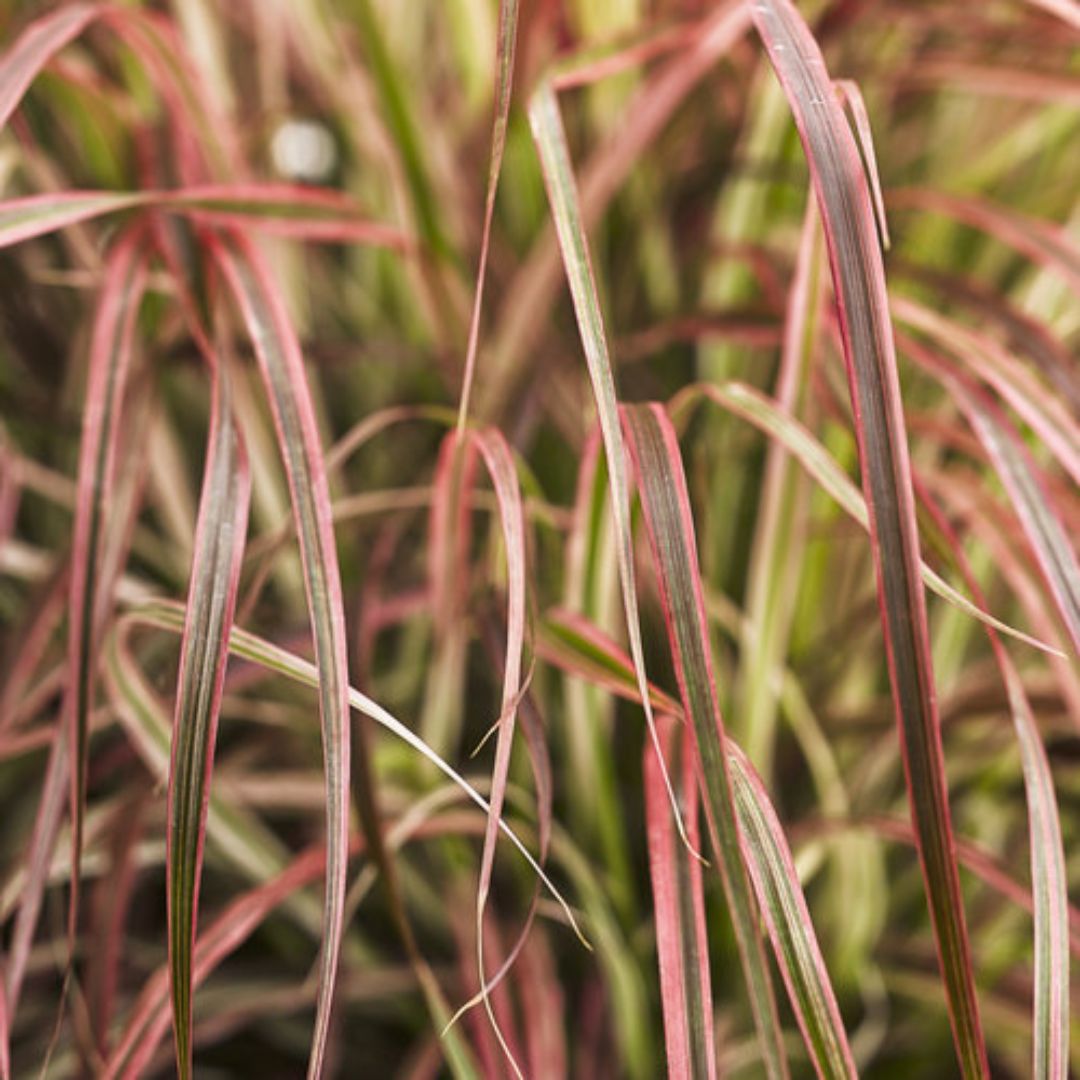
{"type": "Point", "coordinates": [666, 506]}
{"type": "Point", "coordinates": [149, 1016]}
{"type": "Point", "coordinates": [170, 616]}
{"type": "Point", "coordinates": [1045, 532]}
{"type": "Point", "coordinates": [776, 882]}
{"type": "Point", "coordinates": [678, 904]}
{"type": "Point", "coordinates": [504, 62]}
{"type": "Point", "coordinates": [859, 277]}
{"type": "Point", "coordinates": [163, 56]}
{"type": "Point", "coordinates": [297, 212]}
{"type": "Point", "coordinates": [282, 368]}
{"type": "Point", "coordinates": [777, 424]}
{"type": "Point", "coordinates": [499, 460]}
{"type": "Point", "coordinates": [111, 350]}
{"type": "Point", "coordinates": [571, 642]}
{"type": "Point", "coordinates": [1045, 411]}
{"type": "Point", "coordinates": [227, 933]}
{"type": "Point", "coordinates": [1050, 1020]}
{"type": "Point", "coordinates": [237, 837]}
{"type": "Point", "coordinates": [35, 47]}
{"type": "Point", "coordinates": [550, 139]}
{"type": "Point", "coordinates": [218, 553]}
{"type": "Point", "coordinates": [779, 541]}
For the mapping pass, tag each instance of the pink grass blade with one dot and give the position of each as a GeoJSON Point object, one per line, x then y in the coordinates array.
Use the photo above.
{"type": "Point", "coordinates": [779, 540]}
{"type": "Point", "coordinates": [111, 905]}
{"type": "Point", "coordinates": [869, 353]}
{"type": "Point", "coordinates": [776, 882]}
{"type": "Point", "coordinates": [668, 519]}
{"type": "Point", "coordinates": [851, 96]}
{"type": "Point", "coordinates": [1050, 897]}
{"type": "Point", "coordinates": [550, 139]}
{"type": "Point", "coordinates": [111, 351]}
{"type": "Point", "coordinates": [38, 215]}
{"type": "Point", "coordinates": [499, 460]}
{"type": "Point", "coordinates": [151, 1014]}
{"type": "Point", "coordinates": [777, 424]}
{"type": "Point", "coordinates": [569, 641]}
{"type": "Point", "coordinates": [681, 945]}
{"type": "Point", "coordinates": [282, 368]}
{"type": "Point", "coordinates": [1043, 242]}
{"type": "Point", "coordinates": [169, 616]}
{"type": "Point", "coordinates": [504, 62]}
{"type": "Point", "coordinates": [218, 553]}
{"type": "Point", "coordinates": [1044, 411]}
{"type": "Point", "coordinates": [35, 47]}
{"type": "Point", "coordinates": [51, 803]}
{"type": "Point", "coordinates": [1046, 534]}
{"type": "Point", "coordinates": [299, 213]}
{"type": "Point", "coordinates": [19, 673]}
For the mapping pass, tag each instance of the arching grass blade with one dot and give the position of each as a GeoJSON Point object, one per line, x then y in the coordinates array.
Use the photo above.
{"type": "Point", "coordinates": [859, 277]}
{"type": "Point", "coordinates": [282, 367]}
{"type": "Point", "coordinates": [219, 546]}
{"type": "Point", "coordinates": [776, 882]}
{"type": "Point", "coordinates": [666, 505]}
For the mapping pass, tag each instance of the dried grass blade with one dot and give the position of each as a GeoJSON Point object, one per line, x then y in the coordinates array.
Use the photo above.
{"type": "Point", "coordinates": [282, 367]}
{"type": "Point", "coordinates": [219, 546]}
{"type": "Point", "coordinates": [858, 272]}
{"type": "Point", "coordinates": [666, 506]}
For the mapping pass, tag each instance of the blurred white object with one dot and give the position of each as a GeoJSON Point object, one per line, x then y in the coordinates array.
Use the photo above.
{"type": "Point", "coordinates": [304, 150]}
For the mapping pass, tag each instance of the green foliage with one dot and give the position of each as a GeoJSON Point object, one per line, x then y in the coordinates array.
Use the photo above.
{"type": "Point", "coordinates": [534, 710]}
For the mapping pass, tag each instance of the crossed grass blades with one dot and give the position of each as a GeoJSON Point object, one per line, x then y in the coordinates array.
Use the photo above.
{"type": "Point", "coordinates": [577, 576]}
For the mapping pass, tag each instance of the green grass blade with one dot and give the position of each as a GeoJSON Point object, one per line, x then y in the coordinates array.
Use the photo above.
{"type": "Point", "coordinates": [111, 352]}
{"type": "Point", "coordinates": [666, 505]}
{"type": "Point", "coordinates": [550, 139]}
{"type": "Point", "coordinates": [508, 20]}
{"type": "Point", "coordinates": [777, 424]}
{"type": "Point", "coordinates": [859, 276]}
{"type": "Point", "coordinates": [1049, 879]}
{"type": "Point", "coordinates": [219, 546]}
{"type": "Point", "coordinates": [282, 367]}
{"type": "Point", "coordinates": [678, 905]}
{"type": "Point", "coordinates": [169, 616]}
{"type": "Point", "coordinates": [776, 882]}
{"type": "Point", "coordinates": [1046, 534]}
